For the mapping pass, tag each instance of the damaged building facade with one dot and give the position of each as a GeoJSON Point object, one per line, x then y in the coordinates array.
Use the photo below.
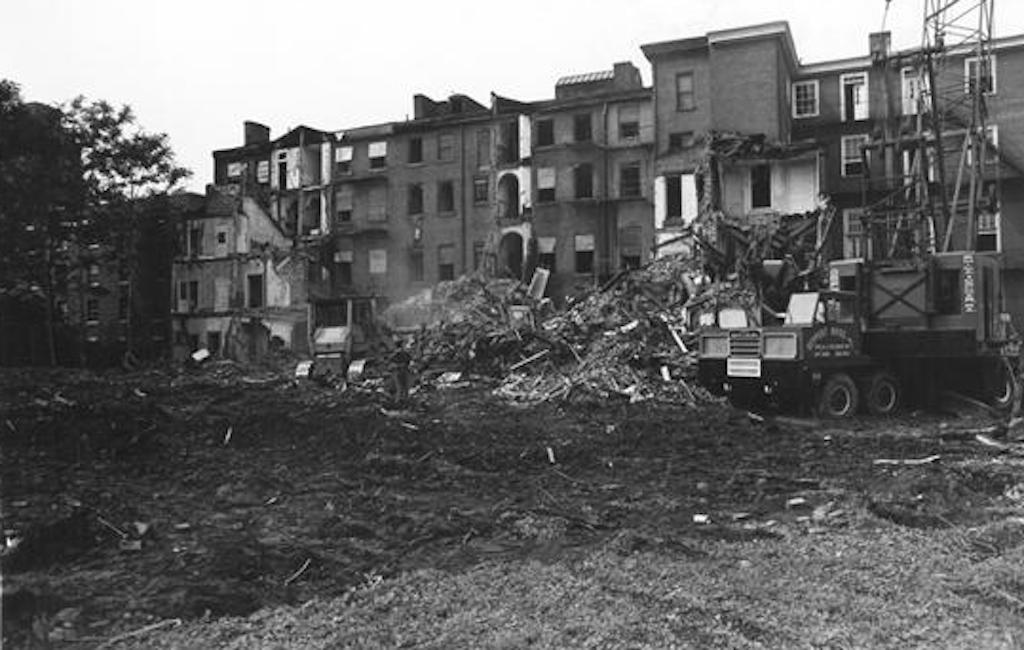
{"type": "Point", "coordinates": [737, 147]}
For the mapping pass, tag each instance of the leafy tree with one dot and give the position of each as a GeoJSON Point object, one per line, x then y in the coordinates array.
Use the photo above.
{"type": "Point", "coordinates": [70, 176]}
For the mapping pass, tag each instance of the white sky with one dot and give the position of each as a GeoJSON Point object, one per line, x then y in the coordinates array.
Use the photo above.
{"type": "Point", "coordinates": [196, 69]}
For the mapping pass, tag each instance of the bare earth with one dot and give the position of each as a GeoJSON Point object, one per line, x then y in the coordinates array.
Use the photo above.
{"type": "Point", "coordinates": [222, 507]}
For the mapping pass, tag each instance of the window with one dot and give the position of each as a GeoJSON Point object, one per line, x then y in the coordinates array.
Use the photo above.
{"type": "Point", "coordinates": [911, 84]}
{"type": "Point", "coordinates": [629, 180]}
{"type": "Point", "coordinates": [853, 163]}
{"type": "Point", "coordinates": [213, 342]}
{"type": "Point", "coordinates": [416, 264]}
{"type": "Point", "coordinates": [581, 128]}
{"type": "Point", "coordinates": [415, 150]}
{"type": "Point", "coordinates": [122, 304]}
{"type": "Point", "coordinates": [545, 184]}
{"type": "Point", "coordinates": [282, 170]}
{"type": "Point", "coordinates": [377, 203]}
{"type": "Point", "coordinates": [222, 242]}
{"type": "Point", "coordinates": [188, 295]}
{"type": "Point", "coordinates": [805, 98]}
{"type": "Point", "coordinates": [255, 293]}
{"type": "Point", "coordinates": [976, 70]}
{"type": "Point", "coordinates": [445, 262]}
{"type": "Point", "coordinates": [195, 241]}
{"type": "Point", "coordinates": [853, 231]}
{"type": "Point", "coordinates": [583, 180]}
{"type": "Point", "coordinates": [680, 140]}
{"type": "Point", "coordinates": [761, 186]}
{"type": "Point", "coordinates": [446, 196]}
{"type": "Point", "coordinates": [991, 146]}
{"type": "Point", "coordinates": [685, 100]}
{"type": "Point", "coordinates": [630, 247]}
{"type": "Point", "coordinates": [263, 171]}
{"type": "Point", "coordinates": [483, 148]}
{"type": "Point", "coordinates": [584, 253]}
{"type": "Point", "coordinates": [378, 155]}
{"type": "Point", "coordinates": [446, 147]}
{"type": "Point", "coordinates": [947, 292]}
{"type": "Point", "coordinates": [92, 310]}
{"type": "Point", "coordinates": [481, 190]}
{"type": "Point", "coordinates": [415, 199]}
{"type": "Point", "coordinates": [629, 122]}
{"type": "Point", "coordinates": [236, 169]}
{"type": "Point", "coordinates": [674, 197]}
{"type": "Point", "coordinates": [378, 261]}
{"type": "Point", "coordinates": [94, 274]}
{"type": "Point", "coordinates": [343, 204]}
{"type": "Point", "coordinates": [343, 160]}
{"type": "Point", "coordinates": [343, 267]}
{"type": "Point", "coordinates": [478, 255]}
{"type": "Point", "coordinates": [546, 253]}
{"type": "Point", "coordinates": [854, 98]}
{"type": "Point", "coordinates": [545, 132]}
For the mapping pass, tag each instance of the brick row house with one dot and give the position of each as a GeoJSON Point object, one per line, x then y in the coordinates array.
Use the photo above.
{"type": "Point", "coordinates": [608, 173]}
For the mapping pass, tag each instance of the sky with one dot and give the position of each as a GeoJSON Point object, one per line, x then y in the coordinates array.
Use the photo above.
{"type": "Point", "coordinates": [196, 69]}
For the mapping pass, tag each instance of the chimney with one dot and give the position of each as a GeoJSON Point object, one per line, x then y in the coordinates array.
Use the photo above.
{"type": "Point", "coordinates": [627, 76]}
{"type": "Point", "coordinates": [878, 44]}
{"type": "Point", "coordinates": [256, 133]}
{"type": "Point", "coordinates": [422, 106]}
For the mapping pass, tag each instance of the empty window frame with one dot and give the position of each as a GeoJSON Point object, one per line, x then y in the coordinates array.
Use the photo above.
{"type": "Point", "coordinates": [584, 245]}
{"type": "Point", "coordinates": [674, 196]}
{"type": "Point", "coordinates": [546, 257]}
{"type": "Point", "coordinates": [685, 97]}
{"type": "Point", "coordinates": [680, 140]}
{"type": "Point", "coordinates": [761, 186]}
{"type": "Point", "coordinates": [415, 150]}
{"type": "Point", "coordinates": [254, 295]}
{"type": "Point", "coordinates": [545, 184]}
{"type": "Point", "coordinates": [629, 122]}
{"type": "Point", "coordinates": [978, 70]}
{"type": "Point", "coordinates": [414, 199]}
{"type": "Point", "coordinates": [378, 152]}
{"type": "Point", "coordinates": [853, 98]}
{"type": "Point", "coordinates": [483, 148]}
{"type": "Point", "coordinates": [446, 147]}
{"type": "Point", "coordinates": [545, 132]}
{"type": "Point", "coordinates": [852, 161]}
{"type": "Point", "coordinates": [581, 128]}
{"type": "Point", "coordinates": [481, 190]}
{"type": "Point", "coordinates": [630, 247]}
{"type": "Point", "coordinates": [343, 267]}
{"type": "Point", "coordinates": [629, 180]}
{"type": "Point", "coordinates": [446, 196]}
{"type": "Point", "coordinates": [416, 265]}
{"type": "Point", "coordinates": [92, 310]}
{"type": "Point", "coordinates": [583, 181]}
{"type": "Point", "coordinates": [911, 84]}
{"type": "Point", "coordinates": [805, 98]}
{"type": "Point", "coordinates": [445, 262]}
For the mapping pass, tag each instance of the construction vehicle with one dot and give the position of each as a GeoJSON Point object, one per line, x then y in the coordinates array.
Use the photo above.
{"type": "Point", "coordinates": [341, 330]}
{"type": "Point", "coordinates": [878, 333]}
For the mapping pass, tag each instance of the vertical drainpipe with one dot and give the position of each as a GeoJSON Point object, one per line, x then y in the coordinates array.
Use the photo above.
{"type": "Point", "coordinates": [606, 243]}
{"type": "Point", "coordinates": [463, 216]}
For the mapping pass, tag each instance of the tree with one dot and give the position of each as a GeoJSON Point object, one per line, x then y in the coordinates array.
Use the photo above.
{"type": "Point", "coordinates": [70, 176]}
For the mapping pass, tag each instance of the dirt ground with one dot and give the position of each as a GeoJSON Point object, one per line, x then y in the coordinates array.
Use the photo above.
{"type": "Point", "coordinates": [230, 507]}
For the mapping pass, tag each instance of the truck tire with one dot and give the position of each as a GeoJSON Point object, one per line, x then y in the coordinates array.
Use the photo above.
{"type": "Point", "coordinates": [838, 397]}
{"type": "Point", "coordinates": [883, 394]}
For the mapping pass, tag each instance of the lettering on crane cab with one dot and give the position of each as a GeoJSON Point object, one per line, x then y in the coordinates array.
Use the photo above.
{"type": "Point", "coordinates": [969, 306]}
{"type": "Point", "coordinates": [831, 341]}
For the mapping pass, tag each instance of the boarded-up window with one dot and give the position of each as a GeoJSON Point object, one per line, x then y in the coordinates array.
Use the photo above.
{"type": "Point", "coordinates": [377, 204]}
{"type": "Point", "coordinates": [446, 147]}
{"type": "Point", "coordinates": [263, 171]}
{"type": "Point", "coordinates": [378, 261]}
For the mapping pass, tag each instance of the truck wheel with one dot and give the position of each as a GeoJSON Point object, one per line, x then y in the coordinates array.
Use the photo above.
{"type": "Point", "coordinates": [1004, 386]}
{"type": "Point", "coordinates": [883, 395]}
{"type": "Point", "coordinates": [838, 397]}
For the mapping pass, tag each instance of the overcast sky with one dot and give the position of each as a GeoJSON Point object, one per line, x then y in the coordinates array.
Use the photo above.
{"type": "Point", "coordinates": [196, 69]}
